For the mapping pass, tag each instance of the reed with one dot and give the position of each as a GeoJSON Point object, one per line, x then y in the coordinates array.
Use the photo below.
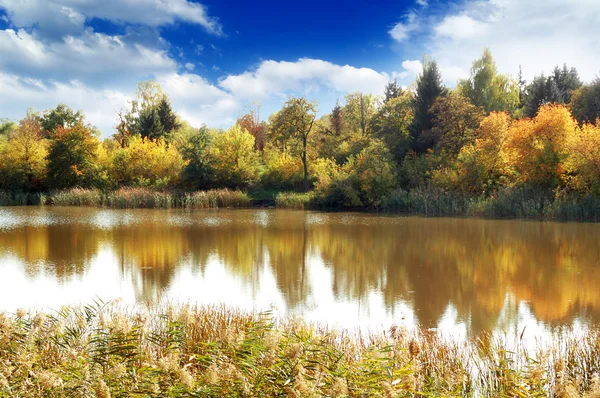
{"type": "Point", "coordinates": [295, 200]}
{"type": "Point", "coordinates": [108, 350]}
{"type": "Point", "coordinates": [135, 198]}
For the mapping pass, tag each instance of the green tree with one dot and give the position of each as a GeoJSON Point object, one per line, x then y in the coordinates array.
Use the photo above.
{"type": "Point", "coordinates": [198, 173]}
{"type": "Point", "coordinates": [585, 102]}
{"type": "Point", "coordinates": [358, 111]}
{"type": "Point", "coordinates": [392, 90]}
{"type": "Point", "coordinates": [392, 125]}
{"type": "Point", "coordinates": [454, 122]}
{"type": "Point", "coordinates": [294, 123]}
{"type": "Point", "coordinates": [556, 88]}
{"type": "Point", "coordinates": [167, 117]}
{"type": "Point", "coordinates": [150, 125]}
{"type": "Point", "coordinates": [487, 88]}
{"type": "Point", "coordinates": [72, 157]}
{"type": "Point", "coordinates": [336, 119]}
{"type": "Point", "coordinates": [6, 127]}
{"type": "Point", "coordinates": [429, 88]}
{"type": "Point", "coordinates": [61, 116]}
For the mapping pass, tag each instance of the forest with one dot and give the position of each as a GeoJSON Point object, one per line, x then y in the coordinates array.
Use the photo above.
{"type": "Point", "coordinates": [492, 146]}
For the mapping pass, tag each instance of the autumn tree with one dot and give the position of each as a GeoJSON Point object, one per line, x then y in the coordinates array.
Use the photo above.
{"type": "Point", "coordinates": [489, 89]}
{"type": "Point", "coordinates": [429, 88]}
{"type": "Point", "coordinates": [454, 121]}
{"type": "Point", "coordinates": [72, 157]}
{"type": "Point", "coordinates": [536, 147]}
{"type": "Point", "coordinates": [25, 156]}
{"type": "Point", "coordinates": [234, 161]}
{"type": "Point", "coordinates": [257, 128]}
{"type": "Point", "coordinates": [585, 102]}
{"type": "Point", "coordinates": [294, 123]}
{"type": "Point", "coordinates": [392, 123]}
{"type": "Point", "coordinates": [583, 161]}
{"type": "Point", "coordinates": [147, 162]}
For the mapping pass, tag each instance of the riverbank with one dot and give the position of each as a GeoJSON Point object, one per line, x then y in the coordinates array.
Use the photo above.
{"type": "Point", "coordinates": [108, 351]}
{"type": "Point", "coordinates": [430, 202]}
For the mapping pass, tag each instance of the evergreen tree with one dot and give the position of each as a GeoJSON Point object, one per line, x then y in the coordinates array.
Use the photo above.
{"type": "Point", "coordinates": [429, 87]}
{"type": "Point", "coordinates": [392, 90]}
{"type": "Point", "coordinates": [168, 118]}
{"type": "Point", "coordinates": [150, 124]}
{"type": "Point", "coordinates": [556, 88]}
{"type": "Point", "coordinates": [336, 119]}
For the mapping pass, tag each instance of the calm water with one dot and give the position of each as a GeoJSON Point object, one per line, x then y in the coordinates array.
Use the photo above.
{"type": "Point", "coordinates": [457, 275]}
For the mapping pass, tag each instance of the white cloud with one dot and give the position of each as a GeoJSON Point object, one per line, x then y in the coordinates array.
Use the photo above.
{"type": "Point", "coordinates": [401, 31]}
{"type": "Point", "coordinates": [199, 49]}
{"type": "Point", "coordinates": [90, 55]}
{"type": "Point", "coordinates": [411, 68]}
{"type": "Point", "coordinates": [68, 16]}
{"type": "Point", "coordinates": [189, 66]}
{"type": "Point", "coordinates": [305, 75]}
{"type": "Point", "coordinates": [423, 3]}
{"type": "Point", "coordinates": [519, 32]}
{"type": "Point", "coordinates": [100, 106]}
{"type": "Point", "coordinates": [460, 27]}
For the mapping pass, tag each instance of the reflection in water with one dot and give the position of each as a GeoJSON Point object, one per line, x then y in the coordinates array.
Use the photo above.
{"type": "Point", "coordinates": [351, 269]}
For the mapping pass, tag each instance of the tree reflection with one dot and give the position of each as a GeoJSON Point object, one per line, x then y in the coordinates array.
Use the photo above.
{"type": "Point", "coordinates": [484, 269]}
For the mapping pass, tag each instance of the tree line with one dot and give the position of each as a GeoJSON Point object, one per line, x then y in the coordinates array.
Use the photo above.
{"type": "Point", "coordinates": [490, 133]}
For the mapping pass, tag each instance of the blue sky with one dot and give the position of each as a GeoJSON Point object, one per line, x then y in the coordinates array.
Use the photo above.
{"type": "Point", "coordinates": [214, 57]}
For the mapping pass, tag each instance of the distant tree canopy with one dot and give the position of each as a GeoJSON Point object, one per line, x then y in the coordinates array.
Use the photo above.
{"type": "Point", "coordinates": [488, 136]}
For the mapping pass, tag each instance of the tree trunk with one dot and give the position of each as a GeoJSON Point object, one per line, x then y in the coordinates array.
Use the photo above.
{"type": "Point", "coordinates": [304, 164]}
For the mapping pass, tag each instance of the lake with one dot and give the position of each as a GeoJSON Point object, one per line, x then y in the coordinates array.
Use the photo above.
{"type": "Point", "coordinates": [350, 270]}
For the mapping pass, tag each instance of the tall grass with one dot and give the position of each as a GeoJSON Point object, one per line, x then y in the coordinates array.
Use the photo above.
{"type": "Point", "coordinates": [295, 200]}
{"type": "Point", "coordinates": [130, 198]}
{"type": "Point", "coordinates": [109, 351]}
{"type": "Point", "coordinates": [519, 203]}
{"type": "Point", "coordinates": [8, 198]}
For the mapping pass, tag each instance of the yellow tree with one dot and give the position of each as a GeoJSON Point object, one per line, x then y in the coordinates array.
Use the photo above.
{"type": "Point", "coordinates": [25, 156]}
{"type": "Point", "coordinates": [235, 162]}
{"type": "Point", "coordinates": [537, 147]}
{"type": "Point", "coordinates": [147, 162]}
{"type": "Point", "coordinates": [583, 161]}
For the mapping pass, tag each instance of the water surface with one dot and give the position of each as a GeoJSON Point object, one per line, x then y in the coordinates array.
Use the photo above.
{"type": "Point", "coordinates": [345, 269]}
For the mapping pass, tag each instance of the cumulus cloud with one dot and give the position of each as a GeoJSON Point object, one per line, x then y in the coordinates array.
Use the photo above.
{"type": "Point", "coordinates": [90, 55]}
{"type": "Point", "coordinates": [519, 32]}
{"type": "Point", "coordinates": [411, 69]}
{"type": "Point", "coordinates": [58, 17]}
{"type": "Point", "coordinates": [401, 31]}
{"type": "Point", "coordinates": [283, 78]}
{"type": "Point", "coordinates": [189, 66]}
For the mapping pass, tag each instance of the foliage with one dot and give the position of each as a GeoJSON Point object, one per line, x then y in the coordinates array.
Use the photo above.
{"type": "Point", "coordinates": [146, 163]}
{"type": "Point", "coordinates": [61, 116]}
{"type": "Point", "coordinates": [487, 88]}
{"type": "Point", "coordinates": [294, 123]}
{"type": "Point", "coordinates": [234, 161]}
{"type": "Point", "coordinates": [282, 170]}
{"type": "Point", "coordinates": [258, 129]}
{"type": "Point", "coordinates": [429, 88]}
{"type": "Point", "coordinates": [72, 157]}
{"type": "Point", "coordinates": [195, 149]}
{"type": "Point", "coordinates": [556, 88]}
{"type": "Point", "coordinates": [392, 123]}
{"type": "Point", "coordinates": [23, 163]}
{"type": "Point", "coordinates": [536, 148]}
{"type": "Point", "coordinates": [358, 111]}
{"type": "Point", "coordinates": [585, 102]}
{"type": "Point", "coordinates": [453, 123]}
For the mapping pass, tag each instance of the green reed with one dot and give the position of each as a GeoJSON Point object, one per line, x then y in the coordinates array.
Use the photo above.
{"type": "Point", "coordinates": [107, 350]}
